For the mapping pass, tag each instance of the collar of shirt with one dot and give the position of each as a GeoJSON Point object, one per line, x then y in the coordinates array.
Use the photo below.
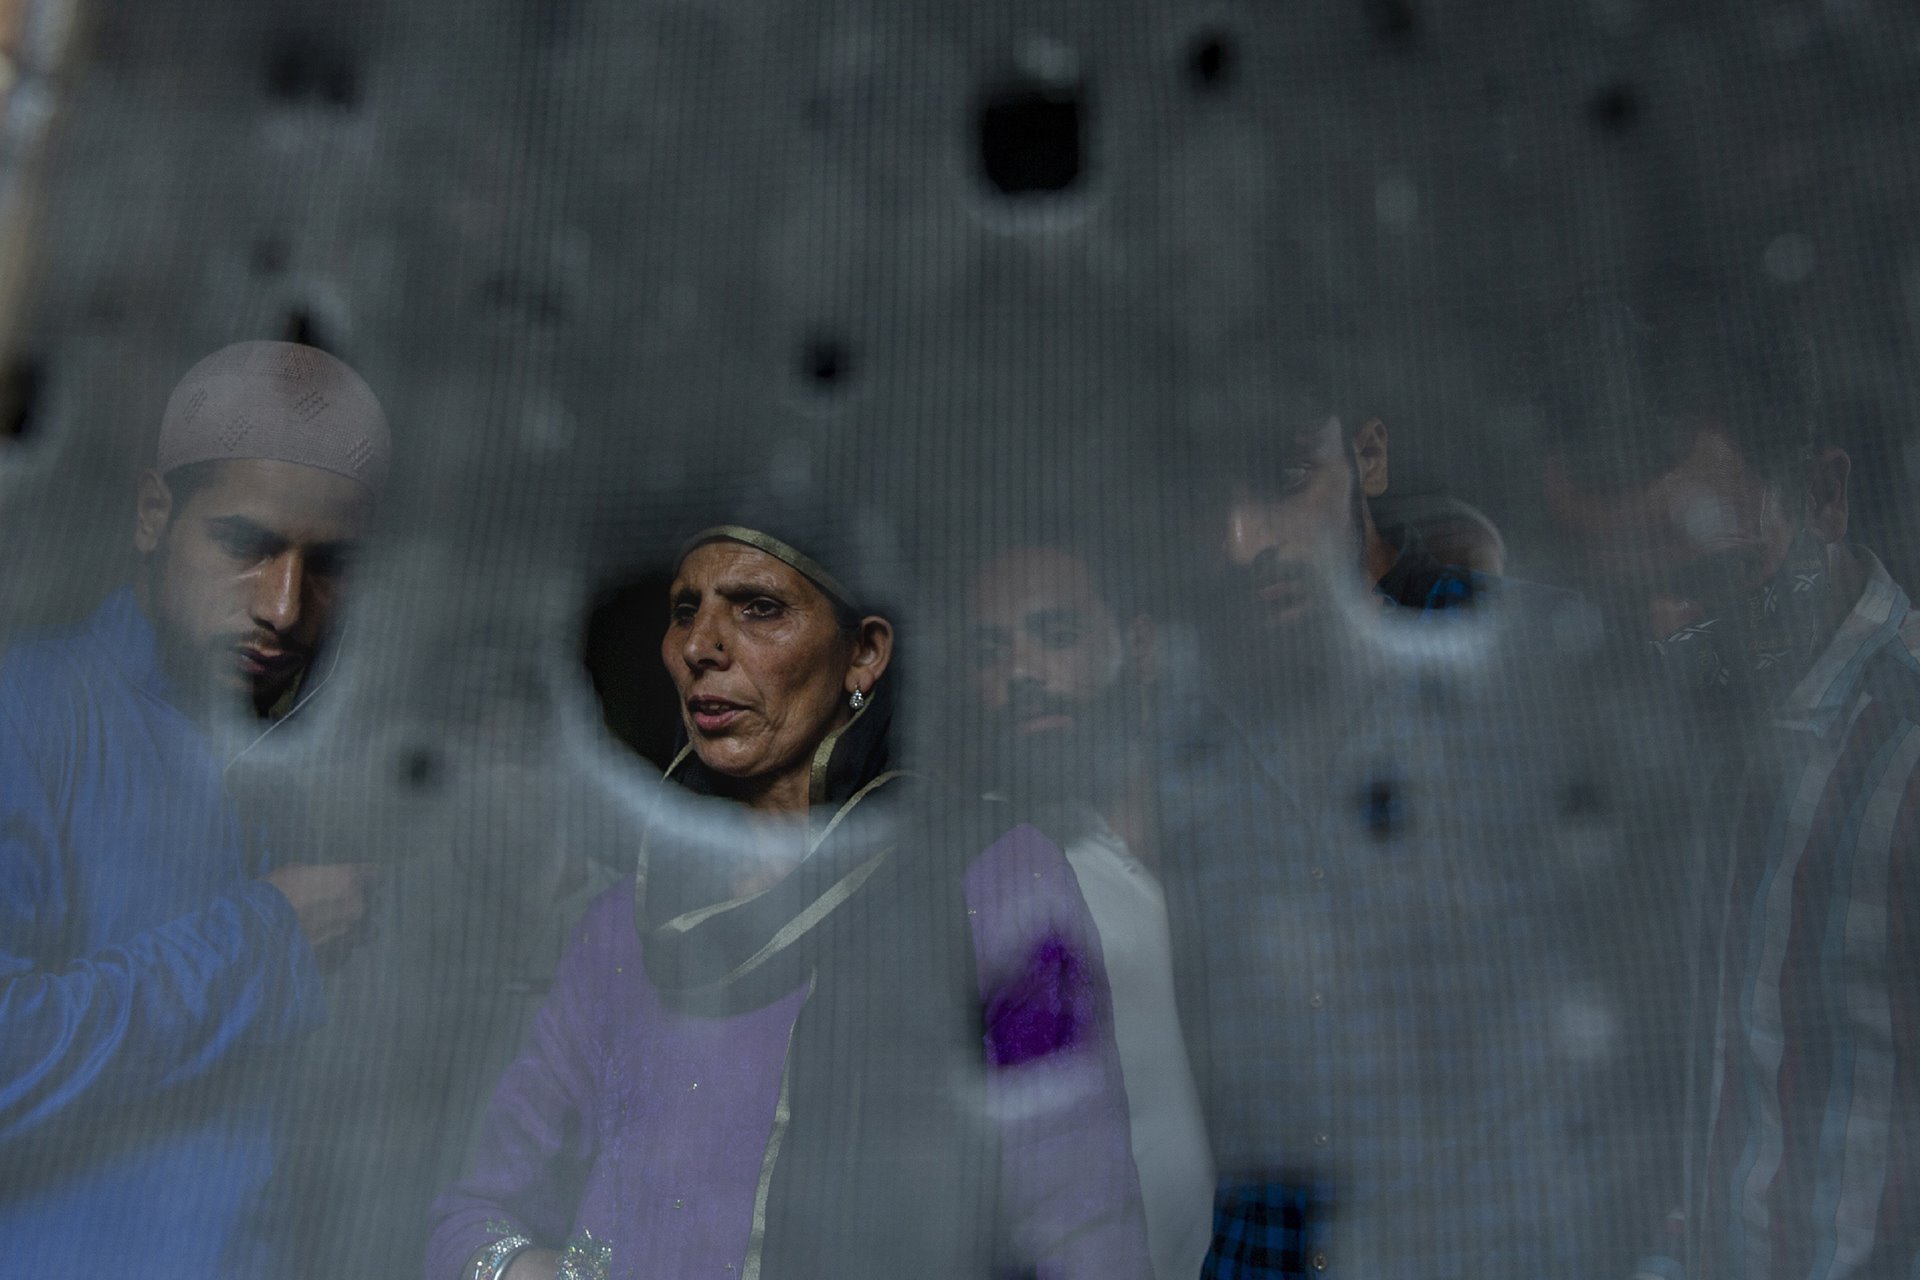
{"type": "Point", "coordinates": [1829, 687]}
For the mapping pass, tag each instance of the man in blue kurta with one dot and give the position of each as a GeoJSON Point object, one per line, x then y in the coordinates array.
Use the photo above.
{"type": "Point", "coordinates": [149, 959]}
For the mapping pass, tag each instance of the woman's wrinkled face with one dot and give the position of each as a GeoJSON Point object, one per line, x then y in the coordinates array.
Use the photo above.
{"type": "Point", "coordinates": [761, 665]}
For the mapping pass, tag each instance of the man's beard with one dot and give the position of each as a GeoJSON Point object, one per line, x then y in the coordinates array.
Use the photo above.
{"type": "Point", "coordinates": [1298, 657]}
{"type": "Point", "coordinates": [210, 681]}
{"type": "Point", "coordinates": [1741, 661]}
{"type": "Point", "coordinates": [1085, 763]}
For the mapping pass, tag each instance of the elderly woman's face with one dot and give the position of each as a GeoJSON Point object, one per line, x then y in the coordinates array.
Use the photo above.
{"type": "Point", "coordinates": [760, 662]}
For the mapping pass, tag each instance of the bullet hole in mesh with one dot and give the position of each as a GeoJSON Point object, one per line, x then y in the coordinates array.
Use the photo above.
{"type": "Point", "coordinates": [21, 381]}
{"type": "Point", "coordinates": [302, 70]}
{"type": "Point", "coordinates": [1382, 811]}
{"type": "Point", "coordinates": [269, 256]}
{"type": "Point", "coordinates": [420, 768]}
{"type": "Point", "coordinates": [827, 363]}
{"type": "Point", "coordinates": [1210, 62]}
{"type": "Point", "coordinates": [1395, 22]}
{"type": "Point", "coordinates": [303, 327]}
{"type": "Point", "coordinates": [1031, 135]}
{"type": "Point", "coordinates": [1615, 109]}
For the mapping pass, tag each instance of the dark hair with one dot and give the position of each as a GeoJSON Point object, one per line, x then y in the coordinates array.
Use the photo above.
{"type": "Point", "coordinates": [1114, 575]}
{"type": "Point", "coordinates": [1266, 397]}
{"type": "Point", "coordinates": [1118, 588]}
{"type": "Point", "coordinates": [844, 615]}
{"type": "Point", "coordinates": [1622, 399]}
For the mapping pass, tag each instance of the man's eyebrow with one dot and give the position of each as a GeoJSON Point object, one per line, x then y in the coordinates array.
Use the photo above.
{"type": "Point", "coordinates": [1264, 476]}
{"type": "Point", "coordinates": [240, 527]}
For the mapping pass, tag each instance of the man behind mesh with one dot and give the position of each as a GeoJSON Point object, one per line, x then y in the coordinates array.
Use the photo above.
{"type": "Point", "coordinates": [1062, 665]}
{"type": "Point", "coordinates": [1695, 476]}
{"type": "Point", "coordinates": [148, 952]}
{"type": "Point", "coordinates": [1413, 1027]}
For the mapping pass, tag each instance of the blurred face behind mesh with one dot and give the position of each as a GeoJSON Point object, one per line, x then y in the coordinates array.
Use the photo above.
{"type": "Point", "coordinates": [1687, 544]}
{"type": "Point", "coordinates": [245, 567]}
{"type": "Point", "coordinates": [1726, 568]}
{"type": "Point", "coordinates": [762, 666]}
{"type": "Point", "coordinates": [1050, 667]}
{"type": "Point", "coordinates": [1297, 533]}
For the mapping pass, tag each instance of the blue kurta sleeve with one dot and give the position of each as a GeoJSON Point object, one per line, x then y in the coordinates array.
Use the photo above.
{"type": "Point", "coordinates": [157, 1008]}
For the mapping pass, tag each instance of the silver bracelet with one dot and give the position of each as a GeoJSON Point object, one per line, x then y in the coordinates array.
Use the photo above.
{"type": "Point", "coordinates": [492, 1262]}
{"type": "Point", "coordinates": [585, 1258]}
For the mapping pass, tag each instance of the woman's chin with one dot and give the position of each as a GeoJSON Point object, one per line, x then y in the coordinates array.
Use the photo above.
{"type": "Point", "coordinates": [742, 771]}
{"type": "Point", "coordinates": [717, 756]}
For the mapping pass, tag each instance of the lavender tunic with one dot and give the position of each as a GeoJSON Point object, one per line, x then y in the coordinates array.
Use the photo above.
{"type": "Point", "coordinates": [646, 1127]}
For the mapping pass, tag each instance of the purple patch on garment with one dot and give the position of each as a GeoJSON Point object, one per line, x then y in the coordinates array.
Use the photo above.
{"type": "Point", "coordinates": [1037, 1011]}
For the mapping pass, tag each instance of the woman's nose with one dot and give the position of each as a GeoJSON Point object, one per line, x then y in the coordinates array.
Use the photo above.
{"type": "Point", "coordinates": [706, 641]}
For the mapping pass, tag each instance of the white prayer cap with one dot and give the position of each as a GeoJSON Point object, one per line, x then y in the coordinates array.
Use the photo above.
{"type": "Point", "coordinates": [279, 401]}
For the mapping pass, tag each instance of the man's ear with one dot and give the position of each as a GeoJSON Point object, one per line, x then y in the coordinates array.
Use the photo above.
{"type": "Point", "coordinates": [152, 510]}
{"type": "Point", "coordinates": [1370, 457]}
{"type": "Point", "coordinates": [872, 651]}
{"type": "Point", "coordinates": [1827, 473]}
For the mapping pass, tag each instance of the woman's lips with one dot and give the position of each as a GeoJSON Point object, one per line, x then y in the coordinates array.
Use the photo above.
{"type": "Point", "coordinates": [1052, 722]}
{"type": "Point", "coordinates": [712, 715]}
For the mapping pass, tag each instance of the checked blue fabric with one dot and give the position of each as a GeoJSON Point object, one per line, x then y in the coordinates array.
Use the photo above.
{"type": "Point", "coordinates": [1273, 1228]}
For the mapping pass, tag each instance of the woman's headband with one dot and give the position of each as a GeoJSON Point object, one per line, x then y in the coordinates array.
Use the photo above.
{"type": "Point", "coordinates": [784, 552]}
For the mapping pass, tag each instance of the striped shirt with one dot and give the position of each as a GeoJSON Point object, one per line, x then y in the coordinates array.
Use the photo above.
{"type": "Point", "coordinates": [1804, 1153]}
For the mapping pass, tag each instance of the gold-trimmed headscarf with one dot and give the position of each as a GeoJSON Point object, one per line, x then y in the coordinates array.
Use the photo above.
{"type": "Point", "coordinates": [785, 552]}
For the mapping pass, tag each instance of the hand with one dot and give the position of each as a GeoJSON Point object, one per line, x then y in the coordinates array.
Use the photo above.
{"type": "Point", "coordinates": [329, 901]}
{"type": "Point", "coordinates": [534, 1264]}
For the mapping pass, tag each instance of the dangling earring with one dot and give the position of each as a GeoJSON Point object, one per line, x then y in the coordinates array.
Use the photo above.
{"type": "Point", "coordinates": [859, 698]}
